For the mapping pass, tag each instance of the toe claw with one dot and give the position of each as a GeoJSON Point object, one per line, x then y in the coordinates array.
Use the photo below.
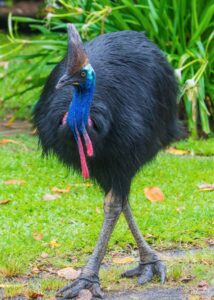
{"type": "Point", "coordinates": [146, 275]}
{"type": "Point", "coordinates": [96, 291]}
{"type": "Point", "coordinates": [161, 271]}
{"type": "Point", "coordinates": [146, 271]}
{"type": "Point", "coordinates": [74, 290]}
{"type": "Point", "coordinates": [131, 273]}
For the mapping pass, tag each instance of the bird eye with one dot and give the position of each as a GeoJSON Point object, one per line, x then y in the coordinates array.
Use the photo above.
{"type": "Point", "coordinates": [83, 74]}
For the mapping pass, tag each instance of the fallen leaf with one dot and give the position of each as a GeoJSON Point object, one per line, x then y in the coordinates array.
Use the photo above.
{"type": "Point", "coordinates": [206, 262]}
{"type": "Point", "coordinates": [98, 210]}
{"type": "Point", "coordinates": [34, 131]}
{"type": "Point", "coordinates": [175, 151]}
{"type": "Point", "coordinates": [206, 187]}
{"type": "Point", "coordinates": [35, 270]}
{"type": "Point", "coordinates": [180, 209]}
{"type": "Point", "coordinates": [202, 286]}
{"type": "Point", "coordinates": [54, 244]}
{"type": "Point", "coordinates": [15, 181]}
{"type": "Point", "coordinates": [148, 235]}
{"type": "Point", "coordinates": [69, 273]}
{"type": "Point", "coordinates": [123, 260]}
{"type": "Point", "coordinates": [154, 194]}
{"type": "Point", "coordinates": [187, 279]}
{"type": "Point", "coordinates": [34, 295]}
{"type": "Point", "coordinates": [210, 242]}
{"type": "Point", "coordinates": [37, 235]}
{"type": "Point", "coordinates": [5, 201]}
{"type": "Point", "coordinates": [10, 121]}
{"type": "Point", "coordinates": [57, 190]}
{"type": "Point", "coordinates": [44, 255]}
{"type": "Point", "coordinates": [7, 141]}
{"type": "Point", "coordinates": [84, 295]}
{"type": "Point", "coordinates": [50, 197]}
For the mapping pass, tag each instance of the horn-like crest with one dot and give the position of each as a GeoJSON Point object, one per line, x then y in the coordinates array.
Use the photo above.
{"type": "Point", "coordinates": [76, 53]}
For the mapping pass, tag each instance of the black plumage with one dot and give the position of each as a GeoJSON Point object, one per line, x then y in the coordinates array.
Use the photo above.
{"type": "Point", "coordinates": [133, 111]}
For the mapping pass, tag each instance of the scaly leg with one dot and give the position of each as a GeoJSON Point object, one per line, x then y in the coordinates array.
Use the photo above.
{"type": "Point", "coordinates": [88, 278]}
{"type": "Point", "coordinates": [150, 264]}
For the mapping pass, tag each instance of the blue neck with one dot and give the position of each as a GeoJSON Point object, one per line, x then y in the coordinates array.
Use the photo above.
{"type": "Point", "coordinates": [79, 108]}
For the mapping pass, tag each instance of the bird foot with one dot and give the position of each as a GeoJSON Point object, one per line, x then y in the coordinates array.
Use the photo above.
{"type": "Point", "coordinates": [145, 271]}
{"type": "Point", "coordinates": [74, 290]}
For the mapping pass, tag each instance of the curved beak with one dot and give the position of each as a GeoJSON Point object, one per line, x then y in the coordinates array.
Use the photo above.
{"type": "Point", "coordinates": [66, 80]}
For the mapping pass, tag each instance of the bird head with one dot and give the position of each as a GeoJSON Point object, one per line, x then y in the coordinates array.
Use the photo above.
{"type": "Point", "coordinates": [79, 71]}
{"type": "Point", "coordinates": [80, 74]}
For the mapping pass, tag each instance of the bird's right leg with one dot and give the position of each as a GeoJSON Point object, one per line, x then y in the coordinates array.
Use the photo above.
{"type": "Point", "coordinates": [150, 264]}
{"type": "Point", "coordinates": [88, 278]}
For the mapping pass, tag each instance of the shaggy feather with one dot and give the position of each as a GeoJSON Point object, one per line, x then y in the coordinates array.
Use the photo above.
{"type": "Point", "coordinates": [133, 113]}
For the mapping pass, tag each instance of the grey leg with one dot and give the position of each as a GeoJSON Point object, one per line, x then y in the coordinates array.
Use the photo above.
{"type": "Point", "coordinates": [88, 278]}
{"type": "Point", "coordinates": [150, 263]}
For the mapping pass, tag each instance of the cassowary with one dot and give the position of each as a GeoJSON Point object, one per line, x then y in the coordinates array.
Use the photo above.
{"type": "Point", "coordinates": [107, 108]}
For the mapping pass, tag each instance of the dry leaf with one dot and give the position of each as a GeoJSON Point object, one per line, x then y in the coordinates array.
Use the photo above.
{"type": "Point", "coordinates": [210, 242]}
{"type": "Point", "coordinates": [50, 197]}
{"type": "Point", "coordinates": [37, 235]}
{"type": "Point", "coordinates": [123, 260]}
{"type": "Point", "coordinates": [148, 235]}
{"type": "Point", "coordinates": [84, 295]}
{"type": "Point", "coordinates": [173, 150]}
{"type": "Point", "coordinates": [54, 244]}
{"type": "Point", "coordinates": [69, 273]}
{"type": "Point", "coordinates": [34, 295]}
{"type": "Point", "coordinates": [187, 279]}
{"type": "Point", "coordinates": [206, 262]}
{"type": "Point", "coordinates": [35, 270]}
{"type": "Point", "coordinates": [57, 190]}
{"type": "Point", "coordinates": [180, 209]}
{"type": "Point", "coordinates": [7, 141]}
{"type": "Point", "coordinates": [44, 255]}
{"type": "Point", "coordinates": [5, 201]}
{"type": "Point", "coordinates": [154, 194]}
{"type": "Point", "coordinates": [98, 210]}
{"type": "Point", "coordinates": [203, 286]}
{"type": "Point", "coordinates": [15, 181]}
{"type": "Point", "coordinates": [206, 187]}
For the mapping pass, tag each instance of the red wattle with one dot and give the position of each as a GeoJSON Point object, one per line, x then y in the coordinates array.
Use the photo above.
{"type": "Point", "coordinates": [88, 144]}
{"type": "Point", "coordinates": [84, 167]}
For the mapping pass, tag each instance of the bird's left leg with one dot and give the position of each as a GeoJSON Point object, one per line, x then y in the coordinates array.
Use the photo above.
{"type": "Point", "coordinates": [88, 278]}
{"type": "Point", "coordinates": [150, 264]}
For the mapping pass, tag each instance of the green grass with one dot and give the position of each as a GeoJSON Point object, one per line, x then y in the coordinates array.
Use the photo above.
{"type": "Point", "coordinates": [184, 219]}
{"type": "Point", "coordinates": [197, 147]}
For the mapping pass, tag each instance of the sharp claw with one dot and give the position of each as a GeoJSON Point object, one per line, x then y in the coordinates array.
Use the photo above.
{"type": "Point", "coordinates": [74, 290]}
{"type": "Point", "coordinates": [65, 288]}
{"type": "Point", "coordinates": [71, 293]}
{"type": "Point", "coordinates": [146, 275]}
{"type": "Point", "coordinates": [147, 271]}
{"type": "Point", "coordinates": [160, 270]}
{"type": "Point", "coordinates": [132, 273]}
{"type": "Point", "coordinates": [96, 291]}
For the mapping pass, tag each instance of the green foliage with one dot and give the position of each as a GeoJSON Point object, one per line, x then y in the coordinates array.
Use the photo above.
{"type": "Point", "coordinates": [182, 29]}
{"type": "Point", "coordinates": [74, 219]}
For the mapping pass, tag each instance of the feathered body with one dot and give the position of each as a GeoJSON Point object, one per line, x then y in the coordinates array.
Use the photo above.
{"type": "Point", "coordinates": [132, 115]}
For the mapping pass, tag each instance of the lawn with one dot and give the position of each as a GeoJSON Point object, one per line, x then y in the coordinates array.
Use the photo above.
{"type": "Point", "coordinates": [65, 229]}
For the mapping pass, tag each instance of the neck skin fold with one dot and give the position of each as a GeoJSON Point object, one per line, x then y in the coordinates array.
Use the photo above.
{"type": "Point", "coordinates": [77, 119]}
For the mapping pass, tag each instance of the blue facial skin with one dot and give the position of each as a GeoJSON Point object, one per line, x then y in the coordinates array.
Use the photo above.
{"type": "Point", "coordinates": [79, 108]}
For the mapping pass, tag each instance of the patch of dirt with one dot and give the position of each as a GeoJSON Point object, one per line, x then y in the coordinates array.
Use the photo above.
{"type": "Point", "coordinates": [18, 126]}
